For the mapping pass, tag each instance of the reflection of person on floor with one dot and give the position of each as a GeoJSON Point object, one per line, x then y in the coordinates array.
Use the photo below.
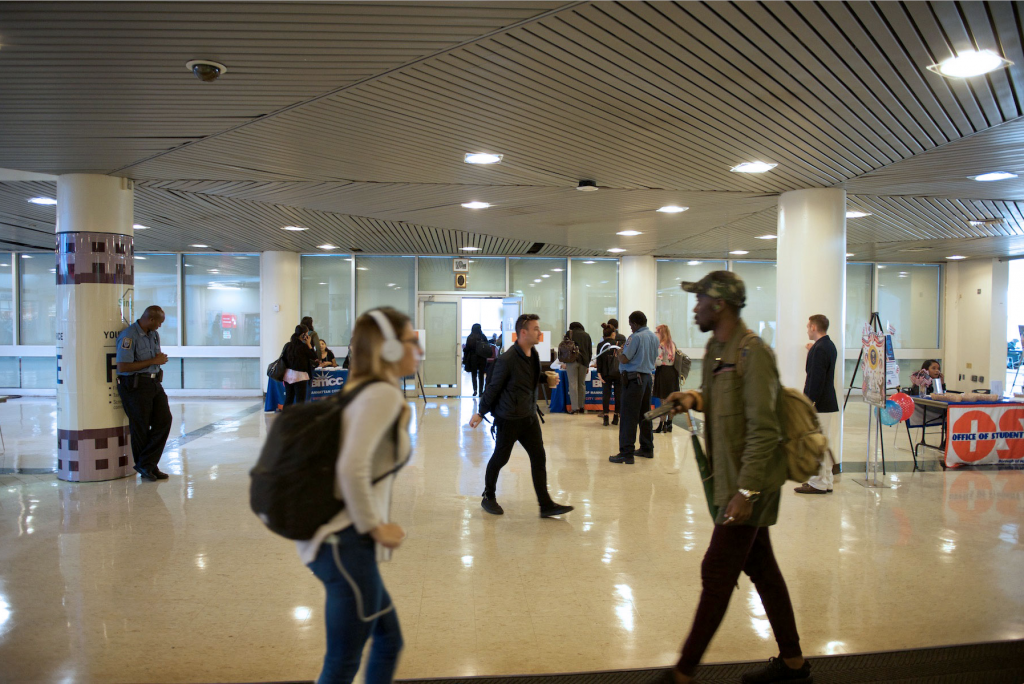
{"type": "Point", "coordinates": [512, 397]}
{"type": "Point", "coordinates": [820, 389]}
{"type": "Point", "coordinates": [738, 394]}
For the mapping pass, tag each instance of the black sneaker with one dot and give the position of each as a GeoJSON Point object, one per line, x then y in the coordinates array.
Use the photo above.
{"type": "Point", "coordinates": [645, 454]}
{"type": "Point", "coordinates": [160, 475]}
{"type": "Point", "coordinates": [615, 419]}
{"type": "Point", "coordinates": [622, 458]}
{"type": "Point", "coordinates": [146, 474]}
{"type": "Point", "coordinates": [554, 509]}
{"type": "Point", "coordinates": [490, 505]}
{"type": "Point", "coordinates": [777, 671]}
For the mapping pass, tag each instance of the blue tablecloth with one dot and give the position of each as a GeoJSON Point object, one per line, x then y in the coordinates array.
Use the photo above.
{"type": "Point", "coordinates": [595, 388]}
{"type": "Point", "coordinates": [323, 383]}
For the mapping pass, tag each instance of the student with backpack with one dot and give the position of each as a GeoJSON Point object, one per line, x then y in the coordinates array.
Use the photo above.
{"type": "Point", "coordinates": [741, 398]}
{"type": "Point", "coordinates": [344, 551]}
{"type": "Point", "coordinates": [608, 372]}
{"type": "Point", "coordinates": [475, 356]}
{"type": "Point", "coordinates": [576, 351]}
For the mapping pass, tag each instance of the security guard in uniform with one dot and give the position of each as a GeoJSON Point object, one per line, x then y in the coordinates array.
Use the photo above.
{"type": "Point", "coordinates": [138, 382]}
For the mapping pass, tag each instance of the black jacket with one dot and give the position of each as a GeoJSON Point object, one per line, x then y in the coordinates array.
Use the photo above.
{"type": "Point", "coordinates": [586, 345]}
{"type": "Point", "coordinates": [512, 389]}
{"type": "Point", "coordinates": [821, 371]}
{"type": "Point", "coordinates": [299, 357]}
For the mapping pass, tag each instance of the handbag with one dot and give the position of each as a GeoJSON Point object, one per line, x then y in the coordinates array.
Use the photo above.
{"type": "Point", "coordinates": [276, 369]}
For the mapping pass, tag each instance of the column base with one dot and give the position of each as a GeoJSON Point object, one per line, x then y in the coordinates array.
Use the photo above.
{"type": "Point", "coordinates": [94, 455]}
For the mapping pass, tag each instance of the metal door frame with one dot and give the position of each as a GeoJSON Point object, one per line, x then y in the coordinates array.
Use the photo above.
{"type": "Point", "coordinates": [456, 299]}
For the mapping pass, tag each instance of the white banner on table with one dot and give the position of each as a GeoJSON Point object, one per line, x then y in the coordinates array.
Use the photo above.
{"type": "Point", "coordinates": [984, 435]}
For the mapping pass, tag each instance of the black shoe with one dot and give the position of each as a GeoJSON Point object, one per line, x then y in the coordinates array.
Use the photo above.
{"type": "Point", "coordinates": [553, 509]}
{"type": "Point", "coordinates": [490, 505]}
{"type": "Point", "coordinates": [660, 428]}
{"type": "Point", "coordinates": [777, 671]}
{"type": "Point", "coordinates": [606, 421]}
{"type": "Point", "coordinates": [622, 458]}
{"type": "Point", "coordinates": [160, 475]}
{"type": "Point", "coordinates": [668, 426]}
{"type": "Point", "coordinates": [615, 419]}
{"type": "Point", "coordinates": [146, 474]}
{"type": "Point", "coordinates": [644, 454]}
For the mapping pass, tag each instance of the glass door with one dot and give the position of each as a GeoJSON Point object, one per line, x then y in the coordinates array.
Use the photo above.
{"type": "Point", "coordinates": [442, 361]}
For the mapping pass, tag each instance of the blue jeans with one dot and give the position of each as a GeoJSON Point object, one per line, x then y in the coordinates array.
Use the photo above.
{"type": "Point", "coordinates": [353, 617]}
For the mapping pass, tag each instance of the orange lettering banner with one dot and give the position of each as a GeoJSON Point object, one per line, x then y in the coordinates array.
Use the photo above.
{"type": "Point", "coordinates": [984, 435]}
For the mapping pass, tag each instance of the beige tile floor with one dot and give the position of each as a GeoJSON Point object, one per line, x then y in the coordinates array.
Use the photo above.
{"type": "Point", "coordinates": [178, 582]}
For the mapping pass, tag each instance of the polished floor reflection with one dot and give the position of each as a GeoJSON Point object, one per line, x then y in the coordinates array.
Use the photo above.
{"type": "Point", "coordinates": [177, 581]}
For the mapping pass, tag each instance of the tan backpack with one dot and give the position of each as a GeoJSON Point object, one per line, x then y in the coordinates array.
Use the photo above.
{"type": "Point", "coordinates": [803, 443]}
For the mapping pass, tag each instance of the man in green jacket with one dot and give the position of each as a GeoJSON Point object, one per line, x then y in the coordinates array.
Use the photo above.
{"type": "Point", "coordinates": [738, 396]}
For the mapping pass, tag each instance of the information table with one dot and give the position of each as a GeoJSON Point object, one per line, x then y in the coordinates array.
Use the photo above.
{"type": "Point", "coordinates": [977, 433]}
{"type": "Point", "coordinates": [595, 391]}
{"type": "Point", "coordinates": [323, 383]}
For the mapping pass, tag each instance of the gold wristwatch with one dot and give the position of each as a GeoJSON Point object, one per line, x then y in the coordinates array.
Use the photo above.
{"type": "Point", "coordinates": [749, 495]}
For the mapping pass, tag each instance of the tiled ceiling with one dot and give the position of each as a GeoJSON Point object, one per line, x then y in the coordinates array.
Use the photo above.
{"type": "Point", "coordinates": [351, 119]}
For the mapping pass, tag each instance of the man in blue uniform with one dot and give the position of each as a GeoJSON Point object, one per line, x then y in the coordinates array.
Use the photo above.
{"type": "Point", "coordinates": [138, 383]}
{"type": "Point", "coordinates": [636, 368]}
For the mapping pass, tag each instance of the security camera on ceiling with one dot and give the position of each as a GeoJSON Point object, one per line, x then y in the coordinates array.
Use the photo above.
{"type": "Point", "coordinates": [205, 70]}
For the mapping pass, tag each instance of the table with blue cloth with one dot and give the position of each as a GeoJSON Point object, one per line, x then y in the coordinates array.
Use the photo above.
{"type": "Point", "coordinates": [323, 383]}
{"type": "Point", "coordinates": [595, 388]}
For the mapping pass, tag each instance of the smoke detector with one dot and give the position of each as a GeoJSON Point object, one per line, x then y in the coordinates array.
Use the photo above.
{"type": "Point", "coordinates": [587, 186]}
{"type": "Point", "coordinates": [205, 70]}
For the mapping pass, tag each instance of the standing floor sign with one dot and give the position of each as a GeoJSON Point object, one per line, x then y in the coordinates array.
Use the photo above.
{"type": "Point", "coordinates": [985, 434]}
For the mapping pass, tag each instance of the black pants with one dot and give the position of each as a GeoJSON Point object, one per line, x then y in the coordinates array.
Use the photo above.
{"type": "Point", "coordinates": [295, 392]}
{"type": "Point", "coordinates": [636, 401]}
{"type": "Point", "coordinates": [149, 418]}
{"type": "Point", "coordinates": [477, 373]}
{"type": "Point", "coordinates": [735, 549]}
{"type": "Point", "coordinates": [527, 432]}
{"type": "Point", "coordinates": [608, 387]}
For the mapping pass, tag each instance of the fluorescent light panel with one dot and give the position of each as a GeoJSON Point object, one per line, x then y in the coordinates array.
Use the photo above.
{"type": "Point", "coordinates": [483, 158]}
{"type": "Point", "coordinates": [672, 209]}
{"type": "Point", "coordinates": [753, 167]}
{"type": "Point", "coordinates": [994, 176]}
{"type": "Point", "coordinates": [970, 63]}
{"type": "Point", "coordinates": [46, 201]}
{"type": "Point", "coordinates": [476, 205]}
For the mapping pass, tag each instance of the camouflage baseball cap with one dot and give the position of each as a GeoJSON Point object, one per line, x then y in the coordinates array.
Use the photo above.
{"type": "Point", "coordinates": [720, 285]}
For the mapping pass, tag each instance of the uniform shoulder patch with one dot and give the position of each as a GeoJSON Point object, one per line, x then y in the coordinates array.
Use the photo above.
{"type": "Point", "coordinates": [126, 343]}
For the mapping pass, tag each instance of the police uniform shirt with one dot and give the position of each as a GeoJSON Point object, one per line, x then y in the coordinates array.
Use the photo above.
{"type": "Point", "coordinates": [133, 344]}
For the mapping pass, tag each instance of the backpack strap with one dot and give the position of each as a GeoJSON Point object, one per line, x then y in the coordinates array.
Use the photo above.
{"type": "Point", "coordinates": [745, 341]}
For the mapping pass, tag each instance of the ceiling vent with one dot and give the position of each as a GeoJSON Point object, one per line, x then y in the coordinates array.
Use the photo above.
{"type": "Point", "coordinates": [587, 186]}
{"type": "Point", "coordinates": [535, 248]}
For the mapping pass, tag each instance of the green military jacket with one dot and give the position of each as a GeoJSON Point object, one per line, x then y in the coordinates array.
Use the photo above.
{"type": "Point", "coordinates": [741, 424]}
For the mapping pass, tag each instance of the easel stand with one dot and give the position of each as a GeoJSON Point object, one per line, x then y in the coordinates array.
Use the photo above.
{"type": "Point", "coordinates": [875, 445]}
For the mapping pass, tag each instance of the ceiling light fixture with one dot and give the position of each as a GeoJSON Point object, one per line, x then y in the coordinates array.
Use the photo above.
{"type": "Point", "coordinates": [559, 270]}
{"type": "Point", "coordinates": [587, 186]}
{"type": "Point", "coordinates": [956, 257]}
{"type": "Point", "coordinates": [970, 63]}
{"type": "Point", "coordinates": [767, 237]}
{"type": "Point", "coordinates": [857, 214]}
{"type": "Point", "coordinates": [200, 246]}
{"type": "Point", "coordinates": [470, 249]}
{"type": "Point", "coordinates": [546, 275]}
{"type": "Point", "coordinates": [482, 158]}
{"type": "Point", "coordinates": [294, 228]}
{"type": "Point", "coordinates": [327, 246]}
{"type": "Point", "coordinates": [739, 252]}
{"type": "Point", "coordinates": [26, 256]}
{"type": "Point", "coordinates": [850, 254]}
{"type": "Point", "coordinates": [629, 233]}
{"type": "Point", "coordinates": [323, 283]}
{"type": "Point", "coordinates": [753, 167]}
{"type": "Point", "coordinates": [537, 280]}
{"type": "Point", "coordinates": [138, 258]}
{"type": "Point", "coordinates": [994, 176]}
{"type": "Point", "coordinates": [616, 250]}
{"type": "Point", "coordinates": [588, 262]}
{"type": "Point", "coordinates": [48, 201]}
{"type": "Point", "coordinates": [476, 205]}
{"type": "Point", "coordinates": [691, 263]}
{"type": "Point", "coordinates": [672, 209]}
{"type": "Point", "coordinates": [986, 222]}
{"type": "Point", "coordinates": [139, 226]}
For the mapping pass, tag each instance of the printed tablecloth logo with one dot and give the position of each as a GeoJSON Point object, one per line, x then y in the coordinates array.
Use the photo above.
{"type": "Point", "coordinates": [985, 434]}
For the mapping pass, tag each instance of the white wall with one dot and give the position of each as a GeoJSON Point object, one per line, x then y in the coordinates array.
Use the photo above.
{"type": "Point", "coordinates": [976, 300]}
{"type": "Point", "coordinates": [638, 289]}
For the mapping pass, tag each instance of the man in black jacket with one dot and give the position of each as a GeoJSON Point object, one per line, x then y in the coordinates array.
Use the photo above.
{"type": "Point", "coordinates": [511, 396]}
{"type": "Point", "coordinates": [820, 389]}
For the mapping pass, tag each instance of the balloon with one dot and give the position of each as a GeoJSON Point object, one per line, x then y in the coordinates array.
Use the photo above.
{"type": "Point", "coordinates": [906, 403]}
{"type": "Point", "coordinates": [890, 415]}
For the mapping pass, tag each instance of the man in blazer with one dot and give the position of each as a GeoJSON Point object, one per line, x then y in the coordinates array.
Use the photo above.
{"type": "Point", "coordinates": [820, 389]}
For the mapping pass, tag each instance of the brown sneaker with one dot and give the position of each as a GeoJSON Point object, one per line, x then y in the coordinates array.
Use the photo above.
{"type": "Point", "coordinates": [808, 489]}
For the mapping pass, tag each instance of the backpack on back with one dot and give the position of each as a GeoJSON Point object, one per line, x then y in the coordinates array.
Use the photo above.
{"type": "Point", "coordinates": [682, 364]}
{"type": "Point", "coordinates": [568, 352]}
{"type": "Point", "coordinates": [483, 349]}
{"type": "Point", "coordinates": [292, 483]}
{"type": "Point", "coordinates": [803, 443]}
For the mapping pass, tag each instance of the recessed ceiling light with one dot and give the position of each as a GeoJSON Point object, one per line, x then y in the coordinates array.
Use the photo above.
{"type": "Point", "coordinates": [956, 257]}
{"type": "Point", "coordinates": [537, 280]}
{"type": "Point", "coordinates": [53, 270]}
{"type": "Point", "coordinates": [691, 263]}
{"type": "Point", "coordinates": [546, 275]}
{"type": "Point", "coordinates": [483, 158]}
{"type": "Point", "coordinates": [628, 233]}
{"type": "Point", "coordinates": [328, 246]}
{"type": "Point", "coordinates": [672, 209]}
{"type": "Point", "coordinates": [4, 264]}
{"type": "Point", "coordinates": [739, 251]}
{"type": "Point", "coordinates": [199, 246]}
{"type": "Point", "coordinates": [470, 249]}
{"type": "Point", "coordinates": [850, 254]}
{"type": "Point", "coordinates": [616, 250]}
{"type": "Point", "coordinates": [362, 268]}
{"type": "Point", "coordinates": [43, 200]}
{"type": "Point", "coordinates": [559, 270]}
{"type": "Point", "coordinates": [139, 226]}
{"type": "Point", "coordinates": [476, 205]}
{"type": "Point", "coordinates": [857, 214]}
{"type": "Point", "coordinates": [994, 176]}
{"type": "Point", "coordinates": [323, 283]}
{"type": "Point", "coordinates": [881, 266]}
{"type": "Point", "coordinates": [138, 258]}
{"type": "Point", "coordinates": [294, 228]}
{"type": "Point", "coordinates": [753, 167]}
{"type": "Point", "coordinates": [26, 256]}
{"type": "Point", "coordinates": [588, 262]}
{"type": "Point", "coordinates": [767, 237]}
{"type": "Point", "coordinates": [214, 270]}
{"type": "Point", "coordinates": [986, 222]}
{"type": "Point", "coordinates": [391, 284]}
{"type": "Point", "coordinates": [970, 63]}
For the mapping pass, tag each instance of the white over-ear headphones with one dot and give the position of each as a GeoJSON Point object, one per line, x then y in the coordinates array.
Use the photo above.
{"type": "Point", "coordinates": [393, 350]}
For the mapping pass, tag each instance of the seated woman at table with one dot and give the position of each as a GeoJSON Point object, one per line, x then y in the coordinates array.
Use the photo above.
{"type": "Point", "coordinates": [326, 356]}
{"type": "Point", "coordinates": [922, 381]}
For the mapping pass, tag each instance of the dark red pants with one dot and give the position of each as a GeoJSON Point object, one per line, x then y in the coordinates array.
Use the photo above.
{"type": "Point", "coordinates": [735, 549]}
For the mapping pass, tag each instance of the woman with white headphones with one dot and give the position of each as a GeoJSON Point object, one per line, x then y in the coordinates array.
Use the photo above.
{"type": "Point", "coordinates": [344, 552]}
